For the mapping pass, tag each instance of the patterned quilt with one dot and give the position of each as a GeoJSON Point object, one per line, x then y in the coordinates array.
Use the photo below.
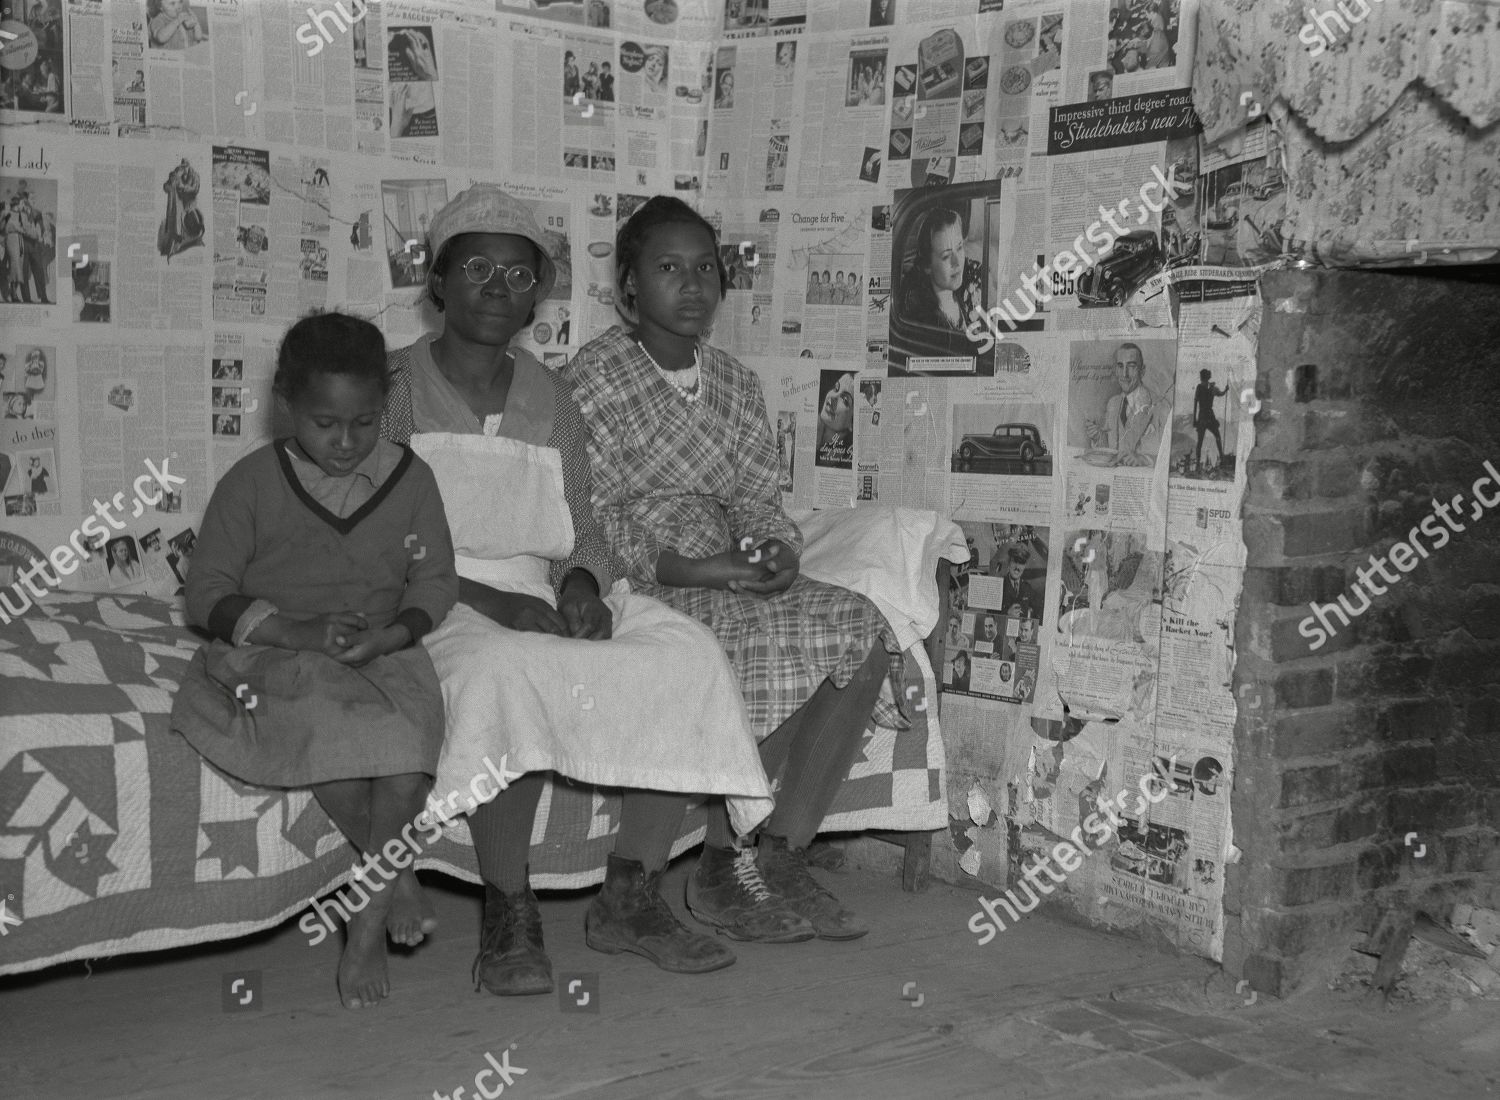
{"type": "Point", "coordinates": [115, 836]}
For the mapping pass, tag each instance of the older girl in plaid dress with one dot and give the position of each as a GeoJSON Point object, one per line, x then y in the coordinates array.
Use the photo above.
{"type": "Point", "coordinates": [685, 482]}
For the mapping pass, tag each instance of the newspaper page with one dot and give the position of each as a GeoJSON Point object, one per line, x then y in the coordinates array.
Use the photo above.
{"type": "Point", "coordinates": [749, 250]}
{"type": "Point", "coordinates": [841, 127]}
{"type": "Point", "coordinates": [599, 112]}
{"type": "Point", "coordinates": [822, 262]}
{"type": "Point", "coordinates": [791, 408]}
{"type": "Point", "coordinates": [30, 476]}
{"type": "Point", "coordinates": [755, 116]}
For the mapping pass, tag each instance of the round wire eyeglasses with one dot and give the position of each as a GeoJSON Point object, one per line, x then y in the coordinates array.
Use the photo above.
{"type": "Point", "coordinates": [480, 271]}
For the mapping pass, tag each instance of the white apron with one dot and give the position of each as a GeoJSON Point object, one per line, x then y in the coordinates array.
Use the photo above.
{"type": "Point", "coordinates": [656, 706]}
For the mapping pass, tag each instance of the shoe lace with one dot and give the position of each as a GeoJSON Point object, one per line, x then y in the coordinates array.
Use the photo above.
{"type": "Point", "coordinates": [747, 873]}
{"type": "Point", "coordinates": [525, 919]}
{"type": "Point", "coordinates": [655, 908]}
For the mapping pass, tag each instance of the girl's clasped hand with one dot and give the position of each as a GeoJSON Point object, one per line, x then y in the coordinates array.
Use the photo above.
{"type": "Point", "coordinates": [762, 568]}
{"type": "Point", "coordinates": [343, 635]}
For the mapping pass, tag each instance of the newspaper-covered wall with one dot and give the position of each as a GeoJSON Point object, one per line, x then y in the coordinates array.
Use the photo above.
{"type": "Point", "coordinates": [976, 257]}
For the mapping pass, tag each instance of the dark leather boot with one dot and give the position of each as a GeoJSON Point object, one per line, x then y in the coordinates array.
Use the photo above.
{"type": "Point", "coordinates": [512, 961]}
{"type": "Point", "coordinates": [629, 914]}
{"type": "Point", "coordinates": [726, 892]}
{"type": "Point", "coordinates": [785, 871]}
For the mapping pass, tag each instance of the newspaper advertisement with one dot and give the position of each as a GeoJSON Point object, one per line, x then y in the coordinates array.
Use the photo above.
{"type": "Point", "coordinates": [1161, 858]}
{"type": "Point", "coordinates": [997, 612]}
{"type": "Point", "coordinates": [29, 470]}
{"type": "Point", "coordinates": [242, 222]}
{"type": "Point", "coordinates": [823, 263]}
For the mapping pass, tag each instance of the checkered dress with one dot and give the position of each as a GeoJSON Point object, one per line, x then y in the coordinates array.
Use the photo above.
{"type": "Point", "coordinates": [589, 551]}
{"type": "Point", "coordinates": [695, 479]}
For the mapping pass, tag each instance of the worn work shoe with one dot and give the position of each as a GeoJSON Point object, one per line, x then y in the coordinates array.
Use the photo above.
{"type": "Point", "coordinates": [727, 892]}
{"type": "Point", "coordinates": [511, 960]}
{"type": "Point", "coordinates": [785, 871]}
{"type": "Point", "coordinates": [629, 914]}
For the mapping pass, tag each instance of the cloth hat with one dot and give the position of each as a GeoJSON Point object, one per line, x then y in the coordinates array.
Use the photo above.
{"type": "Point", "coordinates": [486, 208]}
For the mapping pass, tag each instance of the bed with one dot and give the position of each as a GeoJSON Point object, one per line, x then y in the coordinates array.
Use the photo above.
{"type": "Point", "coordinates": [116, 837]}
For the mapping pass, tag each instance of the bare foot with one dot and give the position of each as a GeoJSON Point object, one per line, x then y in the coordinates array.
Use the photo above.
{"type": "Point", "coordinates": [363, 982]}
{"type": "Point", "coordinates": [411, 917]}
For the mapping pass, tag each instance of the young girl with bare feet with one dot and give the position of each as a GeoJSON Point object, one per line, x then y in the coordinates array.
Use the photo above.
{"type": "Point", "coordinates": [323, 559]}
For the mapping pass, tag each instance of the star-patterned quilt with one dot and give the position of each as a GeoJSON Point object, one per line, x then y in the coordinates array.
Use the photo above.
{"type": "Point", "coordinates": [116, 837]}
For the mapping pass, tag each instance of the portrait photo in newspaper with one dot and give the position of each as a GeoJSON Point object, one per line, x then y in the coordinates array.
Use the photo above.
{"type": "Point", "coordinates": [1120, 400]}
{"type": "Point", "coordinates": [836, 397]}
{"type": "Point", "coordinates": [786, 61]}
{"type": "Point", "coordinates": [866, 81]}
{"type": "Point", "coordinates": [179, 26]}
{"type": "Point", "coordinates": [123, 560]}
{"type": "Point", "coordinates": [943, 250]}
{"type": "Point", "coordinates": [723, 86]}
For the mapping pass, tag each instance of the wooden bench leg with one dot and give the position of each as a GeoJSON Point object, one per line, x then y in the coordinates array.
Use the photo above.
{"type": "Point", "coordinates": [916, 866]}
{"type": "Point", "coordinates": [916, 861]}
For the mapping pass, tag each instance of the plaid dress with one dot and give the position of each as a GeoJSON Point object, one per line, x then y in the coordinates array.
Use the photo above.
{"type": "Point", "coordinates": [695, 479]}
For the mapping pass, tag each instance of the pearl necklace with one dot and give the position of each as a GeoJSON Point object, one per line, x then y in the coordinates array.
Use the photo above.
{"type": "Point", "coordinates": [689, 377]}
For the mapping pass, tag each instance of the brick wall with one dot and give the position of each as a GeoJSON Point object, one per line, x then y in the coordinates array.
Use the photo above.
{"type": "Point", "coordinates": [1379, 393]}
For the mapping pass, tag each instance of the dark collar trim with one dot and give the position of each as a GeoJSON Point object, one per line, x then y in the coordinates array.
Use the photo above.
{"type": "Point", "coordinates": [347, 523]}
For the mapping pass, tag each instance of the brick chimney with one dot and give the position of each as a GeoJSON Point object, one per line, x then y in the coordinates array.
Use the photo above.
{"type": "Point", "coordinates": [1361, 725]}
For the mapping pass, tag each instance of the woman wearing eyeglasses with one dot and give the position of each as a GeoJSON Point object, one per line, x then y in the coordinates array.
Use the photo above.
{"type": "Point", "coordinates": [541, 667]}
